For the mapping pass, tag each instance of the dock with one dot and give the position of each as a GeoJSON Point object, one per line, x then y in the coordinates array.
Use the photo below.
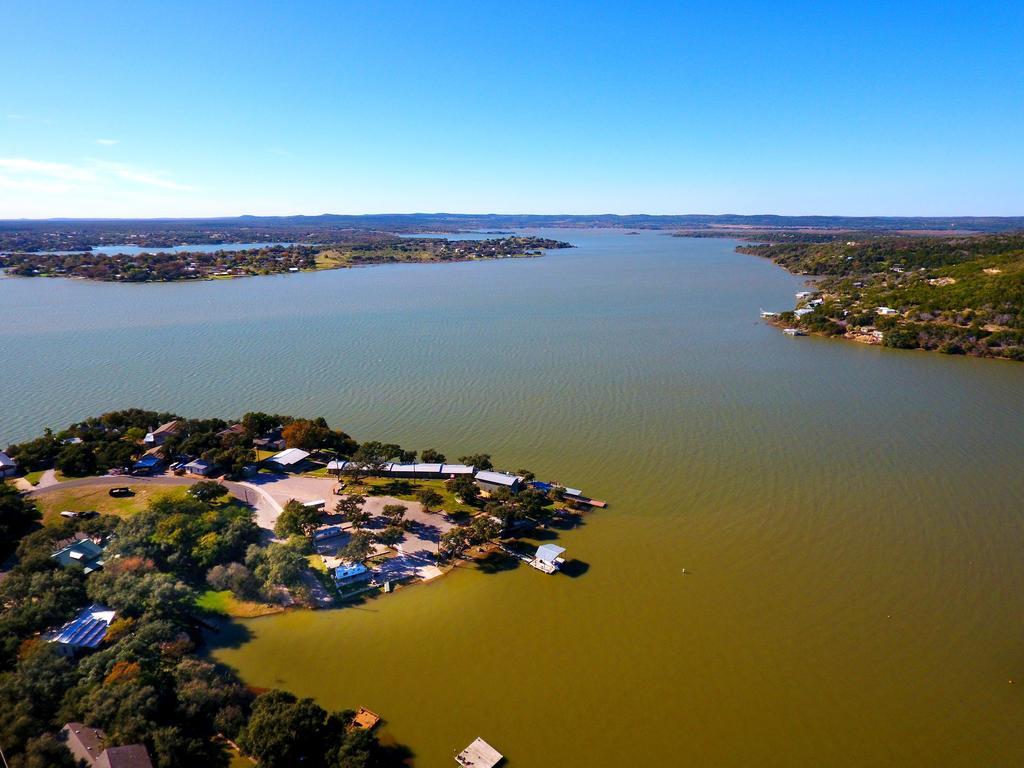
{"type": "Point", "coordinates": [365, 719]}
{"type": "Point", "coordinates": [479, 754]}
{"type": "Point", "coordinates": [579, 499]}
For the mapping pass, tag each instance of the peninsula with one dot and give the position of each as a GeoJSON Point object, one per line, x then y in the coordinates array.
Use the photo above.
{"type": "Point", "coordinates": [131, 535]}
{"type": "Point", "coordinates": [961, 295]}
{"type": "Point", "coordinates": [349, 250]}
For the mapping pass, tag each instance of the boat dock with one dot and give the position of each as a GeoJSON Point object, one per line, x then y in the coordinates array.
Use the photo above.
{"type": "Point", "coordinates": [479, 754]}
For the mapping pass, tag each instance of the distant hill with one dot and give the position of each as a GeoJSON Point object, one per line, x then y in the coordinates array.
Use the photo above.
{"type": "Point", "coordinates": [453, 222]}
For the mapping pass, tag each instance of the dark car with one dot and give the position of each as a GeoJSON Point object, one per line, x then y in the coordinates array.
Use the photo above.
{"type": "Point", "coordinates": [121, 491]}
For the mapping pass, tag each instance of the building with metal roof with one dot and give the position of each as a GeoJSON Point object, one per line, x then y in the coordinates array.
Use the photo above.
{"type": "Point", "coordinates": [492, 481]}
{"type": "Point", "coordinates": [289, 459]}
{"type": "Point", "coordinates": [548, 558]}
{"type": "Point", "coordinates": [200, 467]}
{"type": "Point", "coordinates": [411, 471]}
{"type": "Point", "coordinates": [83, 552]}
{"type": "Point", "coordinates": [86, 630]}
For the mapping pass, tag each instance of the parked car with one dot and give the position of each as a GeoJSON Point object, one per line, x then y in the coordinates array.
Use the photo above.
{"type": "Point", "coordinates": [121, 491]}
{"type": "Point", "coordinates": [70, 515]}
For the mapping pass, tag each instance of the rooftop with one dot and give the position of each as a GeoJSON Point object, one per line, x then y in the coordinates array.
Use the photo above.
{"type": "Point", "coordinates": [289, 457]}
{"type": "Point", "coordinates": [6, 462]}
{"type": "Point", "coordinates": [549, 553]}
{"type": "Point", "coordinates": [87, 629]}
{"type": "Point", "coordinates": [497, 478]}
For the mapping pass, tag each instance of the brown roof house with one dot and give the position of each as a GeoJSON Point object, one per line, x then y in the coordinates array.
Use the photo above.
{"type": "Point", "coordinates": [88, 744]}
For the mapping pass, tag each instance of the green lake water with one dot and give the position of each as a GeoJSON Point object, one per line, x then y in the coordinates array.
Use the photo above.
{"type": "Point", "coordinates": [851, 519]}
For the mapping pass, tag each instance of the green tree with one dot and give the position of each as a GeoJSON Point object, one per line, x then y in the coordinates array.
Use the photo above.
{"type": "Point", "coordinates": [431, 456]}
{"type": "Point", "coordinates": [390, 535]}
{"type": "Point", "coordinates": [430, 499]}
{"type": "Point", "coordinates": [208, 490]}
{"type": "Point", "coordinates": [358, 547]}
{"type": "Point", "coordinates": [464, 488]}
{"type": "Point", "coordinates": [394, 513]}
{"type": "Point", "coordinates": [350, 507]}
{"type": "Point", "coordinates": [483, 528]}
{"type": "Point", "coordinates": [296, 519]}
{"type": "Point", "coordinates": [478, 460]}
{"type": "Point", "coordinates": [76, 460]}
{"type": "Point", "coordinates": [453, 542]}
{"type": "Point", "coordinates": [17, 516]}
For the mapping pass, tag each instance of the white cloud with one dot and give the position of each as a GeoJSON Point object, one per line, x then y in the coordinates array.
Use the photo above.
{"type": "Point", "coordinates": [108, 142]}
{"type": "Point", "coordinates": [24, 173]}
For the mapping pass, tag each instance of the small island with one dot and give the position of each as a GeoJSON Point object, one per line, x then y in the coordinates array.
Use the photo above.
{"type": "Point", "coordinates": [353, 250]}
{"type": "Point", "coordinates": [961, 295]}
{"type": "Point", "coordinates": [130, 537]}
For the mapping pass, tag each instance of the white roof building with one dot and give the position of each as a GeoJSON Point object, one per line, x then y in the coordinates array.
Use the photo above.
{"type": "Point", "coordinates": [498, 478]}
{"type": "Point", "coordinates": [886, 311]}
{"type": "Point", "coordinates": [289, 457]}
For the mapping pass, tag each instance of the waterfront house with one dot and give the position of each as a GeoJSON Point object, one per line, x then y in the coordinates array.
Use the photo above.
{"type": "Point", "coordinates": [159, 435]}
{"type": "Point", "coordinates": [81, 551]}
{"type": "Point", "coordinates": [548, 558]}
{"type": "Point", "coordinates": [411, 471]}
{"type": "Point", "coordinates": [235, 430]}
{"type": "Point", "coordinates": [492, 481]}
{"type": "Point", "coordinates": [200, 467]}
{"type": "Point", "coordinates": [289, 460]}
{"type": "Point", "coordinates": [8, 466]}
{"type": "Point", "coordinates": [88, 746]}
{"type": "Point", "coordinates": [86, 631]}
{"type": "Point", "coordinates": [345, 572]}
{"type": "Point", "coordinates": [802, 311]}
{"type": "Point", "coordinates": [804, 294]}
{"type": "Point", "coordinates": [270, 442]}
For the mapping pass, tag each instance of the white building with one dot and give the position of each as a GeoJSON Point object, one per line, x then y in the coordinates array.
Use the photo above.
{"type": "Point", "coordinates": [886, 311]}
{"type": "Point", "coordinates": [492, 481]}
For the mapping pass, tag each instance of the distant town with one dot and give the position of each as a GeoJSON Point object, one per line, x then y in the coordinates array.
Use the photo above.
{"type": "Point", "coordinates": [344, 250]}
{"type": "Point", "coordinates": [131, 535]}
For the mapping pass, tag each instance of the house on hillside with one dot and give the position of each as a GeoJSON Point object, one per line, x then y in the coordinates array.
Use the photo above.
{"type": "Point", "coordinates": [88, 746]}
{"type": "Point", "coordinates": [289, 460]}
{"type": "Point", "coordinates": [159, 435]}
{"type": "Point", "coordinates": [86, 631]}
{"type": "Point", "coordinates": [886, 311]}
{"type": "Point", "coordinates": [8, 466]}
{"type": "Point", "coordinates": [492, 481]}
{"type": "Point", "coordinates": [81, 551]}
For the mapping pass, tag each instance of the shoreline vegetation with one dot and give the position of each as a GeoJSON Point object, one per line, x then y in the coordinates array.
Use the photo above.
{"type": "Point", "coordinates": [138, 527]}
{"type": "Point", "coordinates": [961, 295]}
{"type": "Point", "coordinates": [344, 252]}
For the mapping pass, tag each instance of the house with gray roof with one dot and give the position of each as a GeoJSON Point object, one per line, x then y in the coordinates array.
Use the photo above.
{"type": "Point", "coordinates": [492, 481]}
{"type": "Point", "coordinates": [83, 552]}
{"type": "Point", "coordinates": [8, 466]}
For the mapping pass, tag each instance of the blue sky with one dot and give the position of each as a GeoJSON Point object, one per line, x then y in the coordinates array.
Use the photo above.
{"type": "Point", "coordinates": [222, 108]}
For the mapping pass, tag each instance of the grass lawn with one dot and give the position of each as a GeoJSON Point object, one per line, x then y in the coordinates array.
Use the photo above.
{"type": "Point", "coordinates": [240, 761]}
{"type": "Point", "coordinates": [33, 477]}
{"type": "Point", "coordinates": [227, 604]}
{"type": "Point", "coordinates": [88, 499]}
{"type": "Point", "coordinates": [406, 490]}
